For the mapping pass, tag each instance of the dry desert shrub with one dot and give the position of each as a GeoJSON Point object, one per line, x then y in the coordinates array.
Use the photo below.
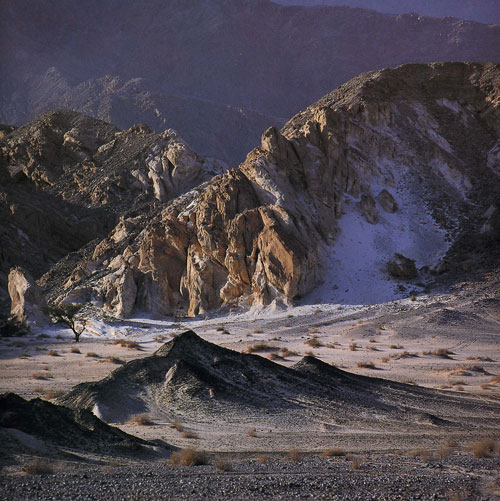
{"type": "Point", "coordinates": [384, 360]}
{"type": "Point", "coordinates": [114, 360]}
{"type": "Point", "coordinates": [91, 354]}
{"type": "Point", "coordinates": [126, 343]}
{"type": "Point", "coordinates": [75, 350]}
{"type": "Point", "coordinates": [223, 465]}
{"type": "Point", "coordinates": [333, 345]}
{"type": "Point", "coordinates": [495, 380]}
{"type": "Point", "coordinates": [332, 453]}
{"type": "Point", "coordinates": [219, 328]}
{"type": "Point", "coordinates": [366, 365]}
{"type": "Point", "coordinates": [54, 353]}
{"type": "Point", "coordinates": [309, 353]}
{"type": "Point", "coordinates": [396, 347]}
{"type": "Point", "coordinates": [51, 394]}
{"type": "Point", "coordinates": [355, 462]}
{"type": "Point", "coordinates": [188, 457]}
{"type": "Point", "coordinates": [251, 432]}
{"type": "Point", "coordinates": [274, 356]}
{"type": "Point", "coordinates": [260, 347]}
{"type": "Point", "coordinates": [189, 434]}
{"type": "Point", "coordinates": [353, 346]}
{"type": "Point", "coordinates": [261, 459]}
{"type": "Point", "coordinates": [177, 425]}
{"type": "Point", "coordinates": [293, 455]}
{"type": "Point", "coordinates": [313, 342]}
{"type": "Point", "coordinates": [39, 467]}
{"type": "Point", "coordinates": [285, 352]}
{"type": "Point", "coordinates": [442, 352]}
{"type": "Point", "coordinates": [24, 355]}
{"type": "Point", "coordinates": [258, 331]}
{"type": "Point", "coordinates": [141, 420]}
{"type": "Point", "coordinates": [41, 375]}
{"type": "Point", "coordinates": [484, 448]}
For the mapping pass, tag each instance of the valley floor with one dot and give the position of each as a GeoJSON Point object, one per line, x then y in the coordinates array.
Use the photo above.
{"type": "Point", "coordinates": [448, 340]}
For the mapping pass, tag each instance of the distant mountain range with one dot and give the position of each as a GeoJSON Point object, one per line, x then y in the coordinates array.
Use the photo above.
{"type": "Point", "coordinates": [483, 11]}
{"type": "Point", "coordinates": [218, 71]}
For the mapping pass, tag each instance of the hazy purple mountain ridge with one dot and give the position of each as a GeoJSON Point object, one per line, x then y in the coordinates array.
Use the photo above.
{"type": "Point", "coordinates": [218, 71]}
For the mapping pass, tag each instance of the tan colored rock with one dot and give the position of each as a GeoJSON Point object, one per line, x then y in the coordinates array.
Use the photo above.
{"type": "Point", "coordinates": [387, 202]}
{"type": "Point", "coordinates": [28, 305]}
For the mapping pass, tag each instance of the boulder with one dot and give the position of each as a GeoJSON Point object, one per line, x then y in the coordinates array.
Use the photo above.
{"type": "Point", "coordinates": [28, 304]}
{"type": "Point", "coordinates": [402, 267]}
{"type": "Point", "coordinates": [387, 202]}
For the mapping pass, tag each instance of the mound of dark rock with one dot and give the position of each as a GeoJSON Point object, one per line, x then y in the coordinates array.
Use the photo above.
{"type": "Point", "coordinates": [191, 377]}
{"type": "Point", "coordinates": [58, 426]}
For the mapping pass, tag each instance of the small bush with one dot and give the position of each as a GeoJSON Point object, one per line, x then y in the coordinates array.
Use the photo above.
{"type": "Point", "coordinates": [366, 365]}
{"type": "Point", "coordinates": [353, 346]}
{"type": "Point", "coordinates": [223, 465]}
{"type": "Point", "coordinates": [285, 352]}
{"type": "Point", "coordinates": [355, 462]}
{"type": "Point", "coordinates": [75, 350]}
{"type": "Point", "coordinates": [219, 329]}
{"type": "Point", "coordinates": [262, 459]}
{"type": "Point", "coordinates": [258, 331]}
{"type": "Point", "coordinates": [141, 420]}
{"type": "Point", "coordinates": [91, 354]}
{"type": "Point", "coordinates": [251, 432]}
{"type": "Point", "coordinates": [333, 345]}
{"type": "Point", "coordinates": [126, 343]}
{"type": "Point", "coordinates": [188, 457]}
{"type": "Point", "coordinates": [51, 394]}
{"type": "Point", "coordinates": [260, 347]}
{"type": "Point", "coordinates": [39, 467]}
{"type": "Point", "coordinates": [395, 347]}
{"type": "Point", "coordinates": [189, 434]}
{"type": "Point", "coordinates": [484, 448]}
{"type": "Point", "coordinates": [332, 453]}
{"type": "Point", "coordinates": [41, 375]}
{"type": "Point", "coordinates": [313, 342]}
{"type": "Point", "coordinates": [114, 360]}
{"type": "Point", "coordinates": [178, 426]}
{"type": "Point", "coordinates": [54, 353]}
{"type": "Point", "coordinates": [442, 352]}
{"type": "Point", "coordinates": [293, 455]}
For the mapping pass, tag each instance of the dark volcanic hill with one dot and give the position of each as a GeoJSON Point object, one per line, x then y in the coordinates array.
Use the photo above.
{"type": "Point", "coordinates": [219, 71]}
{"type": "Point", "coordinates": [192, 378]}
{"type": "Point", "coordinates": [40, 427]}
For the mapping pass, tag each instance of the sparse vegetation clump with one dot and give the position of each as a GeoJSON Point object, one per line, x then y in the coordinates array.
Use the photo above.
{"type": "Point", "coordinates": [75, 350]}
{"type": "Point", "coordinates": [293, 455]}
{"type": "Point", "coordinates": [313, 342]}
{"type": "Point", "coordinates": [141, 420]}
{"type": "Point", "coordinates": [259, 347]}
{"type": "Point", "coordinates": [127, 343]}
{"type": "Point", "coordinates": [190, 434]}
{"type": "Point", "coordinates": [39, 467]}
{"type": "Point", "coordinates": [366, 365]}
{"type": "Point", "coordinates": [223, 465]}
{"type": "Point", "coordinates": [484, 448]}
{"type": "Point", "coordinates": [353, 346]}
{"type": "Point", "coordinates": [251, 433]}
{"type": "Point", "coordinates": [92, 354]}
{"type": "Point", "coordinates": [188, 457]}
{"type": "Point", "coordinates": [54, 353]}
{"type": "Point", "coordinates": [332, 453]}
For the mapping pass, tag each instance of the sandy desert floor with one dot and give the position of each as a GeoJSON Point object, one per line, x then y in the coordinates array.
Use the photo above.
{"type": "Point", "coordinates": [446, 340]}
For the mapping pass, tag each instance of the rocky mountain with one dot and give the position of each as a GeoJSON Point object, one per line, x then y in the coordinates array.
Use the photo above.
{"type": "Point", "coordinates": [194, 379]}
{"type": "Point", "coordinates": [218, 71]}
{"type": "Point", "coordinates": [483, 11]}
{"type": "Point", "coordinates": [365, 196]}
{"type": "Point", "coordinates": [67, 178]}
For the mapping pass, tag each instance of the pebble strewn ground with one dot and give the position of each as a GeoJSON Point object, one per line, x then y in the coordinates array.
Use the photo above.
{"type": "Point", "coordinates": [388, 477]}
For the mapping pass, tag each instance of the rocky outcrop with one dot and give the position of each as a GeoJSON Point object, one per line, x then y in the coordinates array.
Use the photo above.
{"type": "Point", "coordinates": [66, 178]}
{"type": "Point", "coordinates": [388, 146]}
{"type": "Point", "coordinates": [28, 304]}
{"type": "Point", "coordinates": [402, 267]}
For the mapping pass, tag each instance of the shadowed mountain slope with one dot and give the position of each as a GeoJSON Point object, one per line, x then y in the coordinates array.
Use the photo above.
{"type": "Point", "coordinates": [218, 71]}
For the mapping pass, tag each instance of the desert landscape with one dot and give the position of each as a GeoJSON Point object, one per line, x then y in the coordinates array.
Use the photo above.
{"type": "Point", "coordinates": [185, 317]}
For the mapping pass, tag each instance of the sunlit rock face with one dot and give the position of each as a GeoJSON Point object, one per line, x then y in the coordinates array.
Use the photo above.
{"type": "Point", "coordinates": [376, 168]}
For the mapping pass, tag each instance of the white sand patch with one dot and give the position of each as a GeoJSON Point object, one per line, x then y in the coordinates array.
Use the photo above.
{"type": "Point", "coordinates": [355, 269]}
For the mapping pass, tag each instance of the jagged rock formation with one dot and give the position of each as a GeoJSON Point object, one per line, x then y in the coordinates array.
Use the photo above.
{"type": "Point", "coordinates": [193, 65]}
{"type": "Point", "coordinates": [199, 380]}
{"type": "Point", "coordinates": [28, 305]}
{"type": "Point", "coordinates": [44, 427]}
{"type": "Point", "coordinates": [377, 167]}
{"type": "Point", "coordinates": [67, 178]}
